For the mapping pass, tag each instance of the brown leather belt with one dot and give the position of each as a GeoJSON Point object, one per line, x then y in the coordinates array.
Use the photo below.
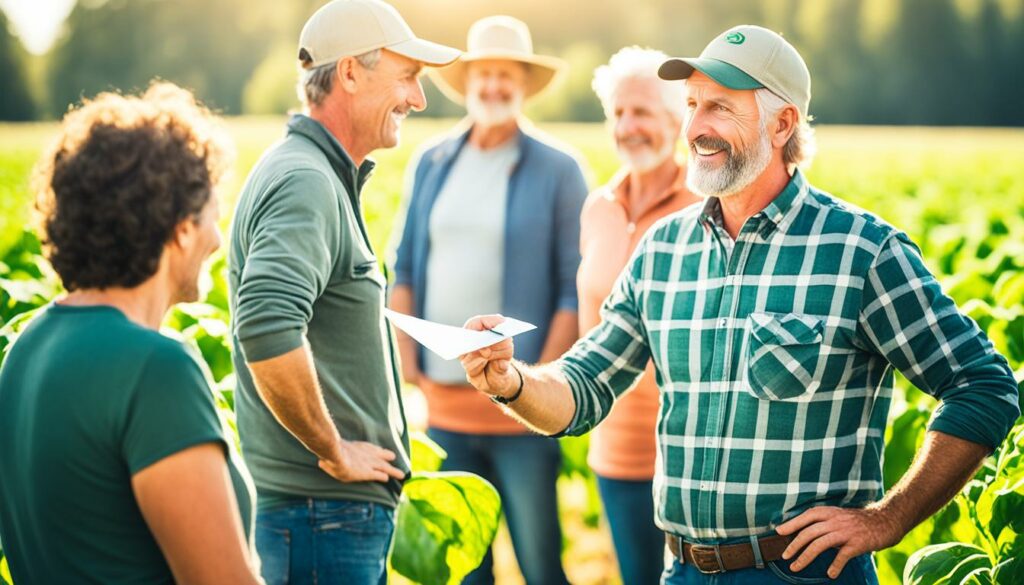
{"type": "Point", "coordinates": [711, 559]}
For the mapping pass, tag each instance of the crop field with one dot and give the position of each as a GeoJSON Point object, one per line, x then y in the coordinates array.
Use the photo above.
{"type": "Point", "coordinates": [958, 193]}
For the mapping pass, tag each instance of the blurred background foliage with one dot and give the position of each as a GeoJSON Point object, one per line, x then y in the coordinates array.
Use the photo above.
{"type": "Point", "coordinates": [922, 62]}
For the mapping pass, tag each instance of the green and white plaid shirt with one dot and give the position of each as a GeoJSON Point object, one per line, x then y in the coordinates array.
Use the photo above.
{"type": "Point", "coordinates": [775, 355]}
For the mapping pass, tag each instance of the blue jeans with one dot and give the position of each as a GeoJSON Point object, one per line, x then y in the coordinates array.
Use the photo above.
{"type": "Point", "coordinates": [639, 544]}
{"type": "Point", "coordinates": [524, 469]}
{"type": "Point", "coordinates": [859, 571]}
{"type": "Point", "coordinates": [326, 542]}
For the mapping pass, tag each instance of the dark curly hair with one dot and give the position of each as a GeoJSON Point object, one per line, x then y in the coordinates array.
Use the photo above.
{"type": "Point", "coordinates": [123, 172]}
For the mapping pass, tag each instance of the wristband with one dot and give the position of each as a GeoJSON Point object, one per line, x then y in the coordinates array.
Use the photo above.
{"type": "Point", "coordinates": [514, 397]}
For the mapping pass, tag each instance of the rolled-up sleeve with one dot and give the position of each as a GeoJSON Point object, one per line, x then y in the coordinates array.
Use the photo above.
{"type": "Point", "coordinates": [294, 242]}
{"type": "Point", "coordinates": [608, 360]}
{"type": "Point", "coordinates": [569, 204]}
{"type": "Point", "coordinates": [907, 318]}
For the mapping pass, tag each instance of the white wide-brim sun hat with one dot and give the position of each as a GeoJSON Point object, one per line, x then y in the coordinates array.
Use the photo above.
{"type": "Point", "coordinates": [498, 38]}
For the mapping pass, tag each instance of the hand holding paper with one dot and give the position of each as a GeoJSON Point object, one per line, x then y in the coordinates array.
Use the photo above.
{"type": "Point", "coordinates": [450, 342]}
{"type": "Point", "coordinates": [489, 368]}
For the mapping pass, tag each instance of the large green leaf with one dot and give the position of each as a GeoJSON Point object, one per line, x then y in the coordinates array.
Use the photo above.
{"type": "Point", "coordinates": [446, 523]}
{"type": "Point", "coordinates": [426, 454]}
{"type": "Point", "coordinates": [944, 564]}
{"type": "Point", "coordinates": [1001, 505]}
{"type": "Point", "coordinates": [1008, 505]}
{"type": "Point", "coordinates": [423, 535]}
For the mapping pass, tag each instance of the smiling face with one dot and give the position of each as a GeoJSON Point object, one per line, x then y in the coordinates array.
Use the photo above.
{"type": "Point", "coordinates": [495, 90]}
{"type": "Point", "coordinates": [729, 144]}
{"type": "Point", "coordinates": [646, 132]}
{"type": "Point", "coordinates": [387, 94]}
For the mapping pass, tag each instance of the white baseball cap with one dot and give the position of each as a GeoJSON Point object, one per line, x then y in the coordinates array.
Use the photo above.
{"type": "Point", "coordinates": [345, 28]}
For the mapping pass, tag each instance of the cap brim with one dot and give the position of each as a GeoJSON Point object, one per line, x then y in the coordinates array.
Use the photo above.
{"type": "Point", "coordinates": [721, 72]}
{"type": "Point", "coordinates": [426, 52]}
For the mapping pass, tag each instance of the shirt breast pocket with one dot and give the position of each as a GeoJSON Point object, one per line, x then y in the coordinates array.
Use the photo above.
{"type": "Point", "coordinates": [783, 351]}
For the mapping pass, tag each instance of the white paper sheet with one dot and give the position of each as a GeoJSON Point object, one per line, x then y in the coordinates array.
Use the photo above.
{"type": "Point", "coordinates": [450, 342]}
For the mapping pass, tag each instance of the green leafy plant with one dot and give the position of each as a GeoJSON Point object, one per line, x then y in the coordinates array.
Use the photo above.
{"type": "Point", "coordinates": [445, 524]}
{"type": "Point", "coordinates": [993, 553]}
{"type": "Point", "coordinates": [446, 521]}
{"type": "Point", "coordinates": [26, 283]}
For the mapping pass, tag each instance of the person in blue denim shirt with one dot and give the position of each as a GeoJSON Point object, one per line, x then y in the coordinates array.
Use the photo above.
{"type": "Point", "coordinates": [492, 225]}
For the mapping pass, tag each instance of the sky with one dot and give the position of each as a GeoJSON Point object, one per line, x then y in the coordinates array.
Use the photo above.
{"type": "Point", "coordinates": [37, 22]}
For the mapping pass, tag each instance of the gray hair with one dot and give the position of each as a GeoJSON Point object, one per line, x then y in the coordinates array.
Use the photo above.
{"type": "Point", "coordinates": [316, 83]}
{"type": "Point", "coordinates": [637, 63]}
{"type": "Point", "coordinates": [801, 147]}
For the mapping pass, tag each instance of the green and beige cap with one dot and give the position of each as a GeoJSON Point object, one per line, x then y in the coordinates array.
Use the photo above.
{"type": "Point", "coordinates": [749, 57]}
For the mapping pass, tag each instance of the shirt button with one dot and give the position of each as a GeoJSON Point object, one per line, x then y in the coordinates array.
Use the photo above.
{"type": "Point", "coordinates": [722, 322]}
{"type": "Point", "coordinates": [703, 486]}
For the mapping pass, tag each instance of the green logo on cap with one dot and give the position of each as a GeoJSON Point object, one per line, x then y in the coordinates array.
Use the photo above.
{"type": "Point", "coordinates": [735, 38]}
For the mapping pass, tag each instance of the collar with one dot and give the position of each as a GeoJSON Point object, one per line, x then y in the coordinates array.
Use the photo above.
{"type": "Point", "coordinates": [621, 184]}
{"type": "Point", "coordinates": [451, 147]}
{"type": "Point", "coordinates": [779, 212]}
{"type": "Point", "coordinates": [318, 134]}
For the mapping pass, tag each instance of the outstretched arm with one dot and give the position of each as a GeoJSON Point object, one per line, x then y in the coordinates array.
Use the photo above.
{"type": "Point", "coordinates": [545, 404]}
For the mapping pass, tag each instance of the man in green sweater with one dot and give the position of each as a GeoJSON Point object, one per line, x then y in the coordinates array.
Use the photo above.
{"type": "Point", "coordinates": [319, 410]}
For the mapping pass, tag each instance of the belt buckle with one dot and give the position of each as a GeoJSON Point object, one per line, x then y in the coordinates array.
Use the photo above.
{"type": "Point", "coordinates": [703, 552]}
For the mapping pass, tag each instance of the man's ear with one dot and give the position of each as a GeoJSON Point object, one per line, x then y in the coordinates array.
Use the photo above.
{"type": "Point", "coordinates": [348, 72]}
{"type": "Point", "coordinates": [183, 234]}
{"type": "Point", "coordinates": [785, 125]}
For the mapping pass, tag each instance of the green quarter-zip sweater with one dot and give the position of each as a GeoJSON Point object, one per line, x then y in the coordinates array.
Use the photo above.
{"type": "Point", "coordinates": [302, 268]}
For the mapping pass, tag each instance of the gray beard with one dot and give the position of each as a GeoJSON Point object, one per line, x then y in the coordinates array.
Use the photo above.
{"type": "Point", "coordinates": [648, 160]}
{"type": "Point", "coordinates": [738, 172]}
{"type": "Point", "coordinates": [489, 115]}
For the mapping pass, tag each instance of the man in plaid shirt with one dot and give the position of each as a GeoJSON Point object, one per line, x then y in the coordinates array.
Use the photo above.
{"type": "Point", "coordinates": [775, 315]}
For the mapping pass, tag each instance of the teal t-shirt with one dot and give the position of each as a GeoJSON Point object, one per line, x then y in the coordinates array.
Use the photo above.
{"type": "Point", "coordinates": [87, 399]}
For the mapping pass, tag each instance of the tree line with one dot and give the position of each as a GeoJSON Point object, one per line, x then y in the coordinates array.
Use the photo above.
{"type": "Point", "coordinates": [934, 62]}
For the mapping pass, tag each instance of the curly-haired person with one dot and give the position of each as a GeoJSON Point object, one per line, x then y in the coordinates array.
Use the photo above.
{"type": "Point", "coordinates": [115, 464]}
